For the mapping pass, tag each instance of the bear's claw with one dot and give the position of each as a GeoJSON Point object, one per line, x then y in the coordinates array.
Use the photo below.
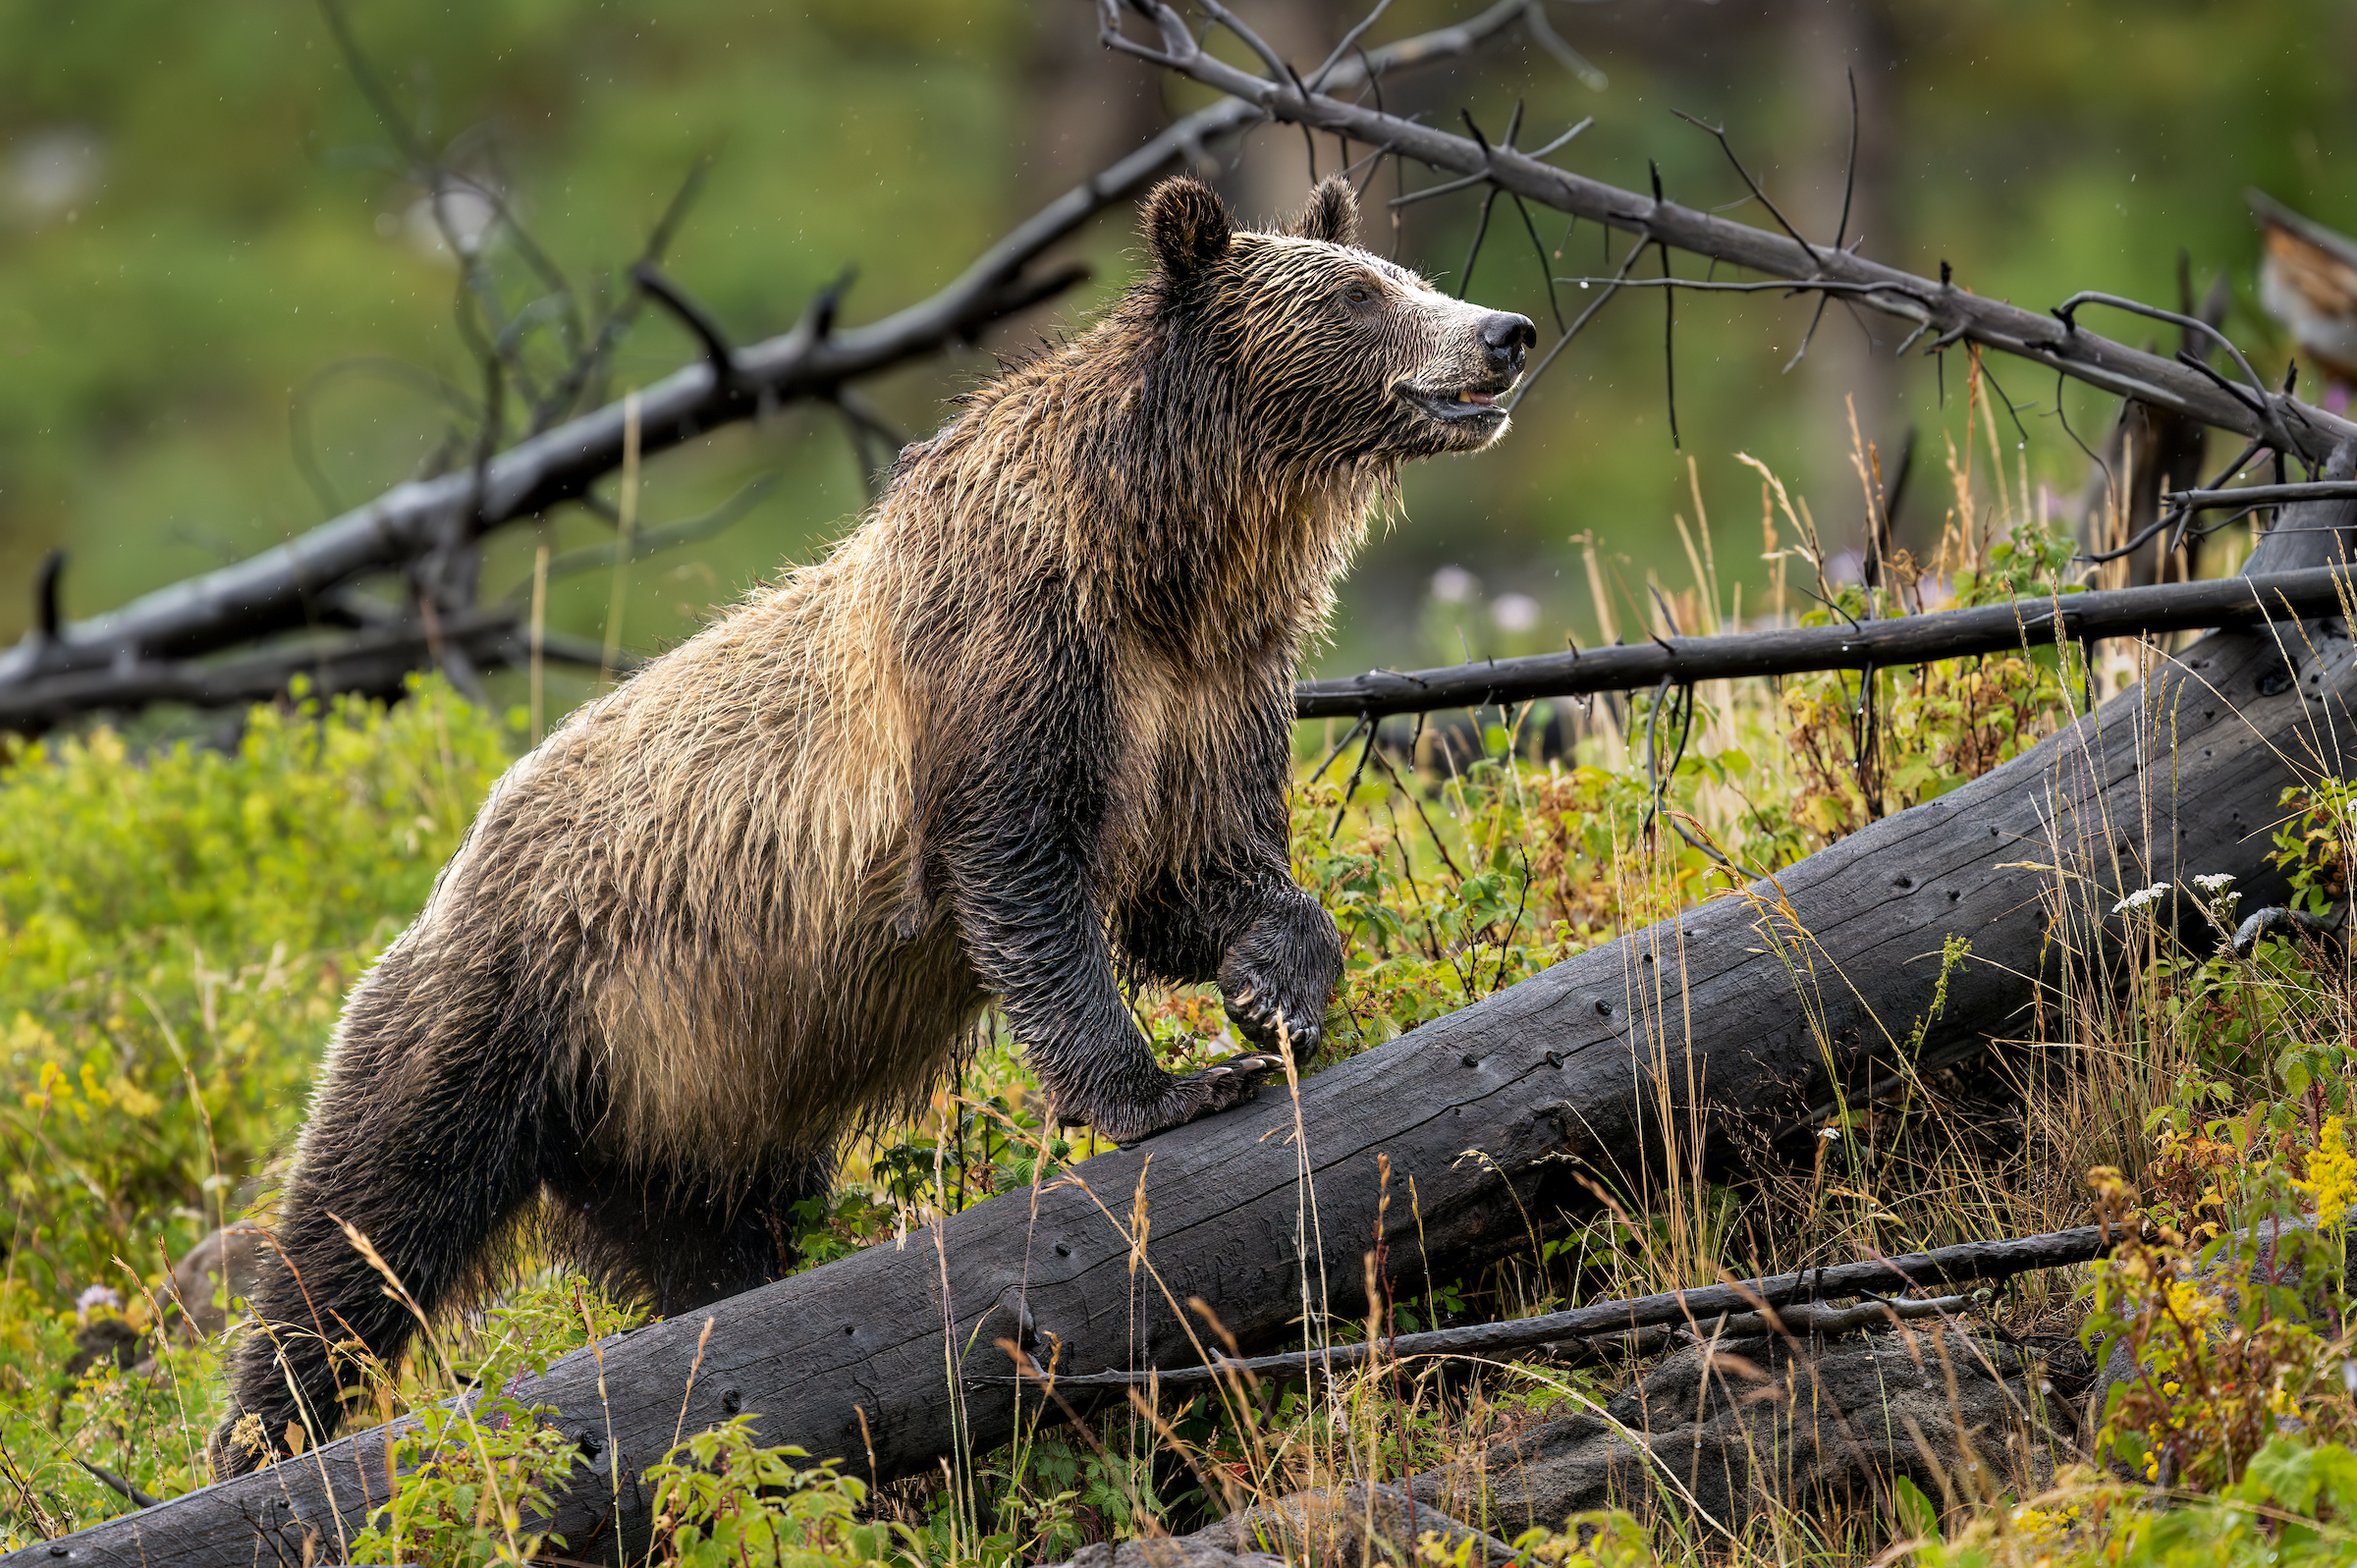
{"type": "Point", "coordinates": [1265, 1022]}
{"type": "Point", "coordinates": [1220, 1087]}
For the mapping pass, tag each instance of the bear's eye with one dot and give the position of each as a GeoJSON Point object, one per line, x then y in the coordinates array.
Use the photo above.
{"type": "Point", "coordinates": [1358, 294]}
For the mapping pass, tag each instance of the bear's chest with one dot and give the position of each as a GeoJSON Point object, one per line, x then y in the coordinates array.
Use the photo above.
{"type": "Point", "coordinates": [1181, 773]}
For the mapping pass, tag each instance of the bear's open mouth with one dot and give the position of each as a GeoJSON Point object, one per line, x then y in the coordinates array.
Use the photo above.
{"type": "Point", "coordinates": [1457, 404]}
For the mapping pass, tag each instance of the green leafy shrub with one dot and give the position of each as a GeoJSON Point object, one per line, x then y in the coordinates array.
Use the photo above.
{"type": "Point", "coordinates": [471, 1479]}
{"type": "Point", "coordinates": [724, 1502]}
{"type": "Point", "coordinates": [177, 931]}
{"type": "Point", "coordinates": [476, 1477]}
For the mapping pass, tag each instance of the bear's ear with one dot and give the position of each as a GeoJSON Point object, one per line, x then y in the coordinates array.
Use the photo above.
{"type": "Point", "coordinates": [1332, 214]}
{"type": "Point", "coordinates": [1188, 225]}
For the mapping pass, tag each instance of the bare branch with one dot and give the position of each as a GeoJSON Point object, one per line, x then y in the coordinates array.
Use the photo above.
{"type": "Point", "coordinates": [280, 589]}
{"type": "Point", "coordinates": [2264, 495]}
{"type": "Point", "coordinates": [1897, 643]}
{"type": "Point", "coordinates": [1612, 286]}
{"type": "Point", "coordinates": [1579, 65]}
{"type": "Point", "coordinates": [1697, 1308]}
{"type": "Point", "coordinates": [1719, 133]}
{"type": "Point", "coordinates": [1349, 42]}
{"type": "Point", "coordinates": [1952, 313]}
{"type": "Point", "coordinates": [374, 662]}
{"type": "Point", "coordinates": [694, 317]}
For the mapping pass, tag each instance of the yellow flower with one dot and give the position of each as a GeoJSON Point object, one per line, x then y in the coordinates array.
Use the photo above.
{"type": "Point", "coordinates": [2332, 1175]}
{"type": "Point", "coordinates": [2189, 1304]}
{"type": "Point", "coordinates": [2169, 1387]}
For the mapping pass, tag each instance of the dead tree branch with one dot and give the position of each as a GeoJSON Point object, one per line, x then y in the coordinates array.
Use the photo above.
{"type": "Point", "coordinates": [121, 657]}
{"type": "Point", "coordinates": [1696, 1309]}
{"type": "Point", "coordinates": [373, 662]}
{"type": "Point", "coordinates": [1950, 314]}
{"type": "Point", "coordinates": [1897, 643]}
{"type": "Point", "coordinates": [2262, 495]}
{"type": "Point", "coordinates": [279, 589]}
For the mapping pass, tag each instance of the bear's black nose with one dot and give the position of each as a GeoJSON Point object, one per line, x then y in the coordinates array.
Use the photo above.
{"type": "Point", "coordinates": [1505, 336]}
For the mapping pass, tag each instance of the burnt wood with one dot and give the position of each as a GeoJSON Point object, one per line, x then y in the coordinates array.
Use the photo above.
{"type": "Point", "coordinates": [374, 662]}
{"type": "Point", "coordinates": [890, 1359]}
{"type": "Point", "coordinates": [1697, 1308]}
{"type": "Point", "coordinates": [1895, 643]}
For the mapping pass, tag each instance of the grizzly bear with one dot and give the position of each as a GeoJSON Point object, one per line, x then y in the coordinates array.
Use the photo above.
{"type": "Point", "coordinates": [1024, 734]}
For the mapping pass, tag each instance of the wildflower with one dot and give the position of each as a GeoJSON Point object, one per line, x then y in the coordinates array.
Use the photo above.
{"type": "Point", "coordinates": [97, 1298]}
{"type": "Point", "coordinates": [2189, 1305]}
{"type": "Point", "coordinates": [2169, 1387]}
{"type": "Point", "coordinates": [2040, 1524]}
{"type": "Point", "coordinates": [2214, 883]}
{"type": "Point", "coordinates": [2332, 1175]}
{"type": "Point", "coordinates": [2142, 898]}
{"type": "Point", "coordinates": [1829, 1134]}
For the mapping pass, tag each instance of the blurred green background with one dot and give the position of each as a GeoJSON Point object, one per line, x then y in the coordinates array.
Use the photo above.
{"type": "Point", "coordinates": [202, 226]}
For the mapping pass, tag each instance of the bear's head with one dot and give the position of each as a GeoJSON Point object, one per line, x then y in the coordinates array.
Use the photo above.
{"type": "Point", "coordinates": [1334, 354]}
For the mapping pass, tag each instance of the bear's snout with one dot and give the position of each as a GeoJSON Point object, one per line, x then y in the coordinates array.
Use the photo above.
{"type": "Point", "coordinates": [1505, 339]}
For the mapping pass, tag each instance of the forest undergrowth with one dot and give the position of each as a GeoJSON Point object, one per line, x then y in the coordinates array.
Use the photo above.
{"type": "Point", "coordinates": [180, 924]}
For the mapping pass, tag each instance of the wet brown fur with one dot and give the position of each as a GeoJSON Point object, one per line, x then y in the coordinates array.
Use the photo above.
{"type": "Point", "coordinates": [1028, 723]}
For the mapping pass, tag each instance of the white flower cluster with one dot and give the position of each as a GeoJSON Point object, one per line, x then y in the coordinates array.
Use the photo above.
{"type": "Point", "coordinates": [2142, 898]}
{"type": "Point", "coordinates": [2214, 883]}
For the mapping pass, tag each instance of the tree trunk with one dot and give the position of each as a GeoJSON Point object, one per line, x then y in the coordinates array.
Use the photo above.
{"type": "Point", "coordinates": [1599, 1065]}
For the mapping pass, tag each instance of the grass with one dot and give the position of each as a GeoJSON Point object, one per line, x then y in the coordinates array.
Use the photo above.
{"type": "Point", "coordinates": [180, 927]}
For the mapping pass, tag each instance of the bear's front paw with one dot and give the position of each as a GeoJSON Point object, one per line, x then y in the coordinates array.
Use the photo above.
{"type": "Point", "coordinates": [1230, 1082]}
{"type": "Point", "coordinates": [1278, 977]}
{"type": "Point", "coordinates": [1202, 1094]}
{"type": "Point", "coordinates": [1263, 1019]}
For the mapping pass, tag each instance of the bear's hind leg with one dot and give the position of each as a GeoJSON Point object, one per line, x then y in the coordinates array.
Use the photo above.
{"type": "Point", "coordinates": [681, 1241]}
{"type": "Point", "coordinates": [432, 1157]}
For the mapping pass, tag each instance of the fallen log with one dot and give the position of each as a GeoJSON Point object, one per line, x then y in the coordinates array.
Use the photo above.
{"type": "Point", "coordinates": [1727, 1017]}
{"type": "Point", "coordinates": [1893, 643]}
{"type": "Point", "coordinates": [374, 662]}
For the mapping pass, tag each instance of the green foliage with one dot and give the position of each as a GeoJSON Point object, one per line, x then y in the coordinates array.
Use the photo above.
{"type": "Point", "coordinates": [181, 926]}
{"type": "Point", "coordinates": [475, 1472]}
{"type": "Point", "coordinates": [1604, 1539]}
{"type": "Point", "coordinates": [145, 1420]}
{"type": "Point", "coordinates": [2226, 1351]}
{"type": "Point", "coordinates": [2314, 844]}
{"type": "Point", "coordinates": [470, 1480]}
{"type": "Point", "coordinates": [1450, 887]}
{"type": "Point", "coordinates": [1936, 725]}
{"type": "Point", "coordinates": [178, 929]}
{"type": "Point", "coordinates": [724, 1502]}
{"type": "Point", "coordinates": [2234, 1306]}
{"type": "Point", "coordinates": [2295, 1508]}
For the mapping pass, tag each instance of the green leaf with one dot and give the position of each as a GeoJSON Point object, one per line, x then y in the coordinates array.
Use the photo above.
{"type": "Point", "coordinates": [2286, 1472]}
{"type": "Point", "coordinates": [1916, 1515]}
